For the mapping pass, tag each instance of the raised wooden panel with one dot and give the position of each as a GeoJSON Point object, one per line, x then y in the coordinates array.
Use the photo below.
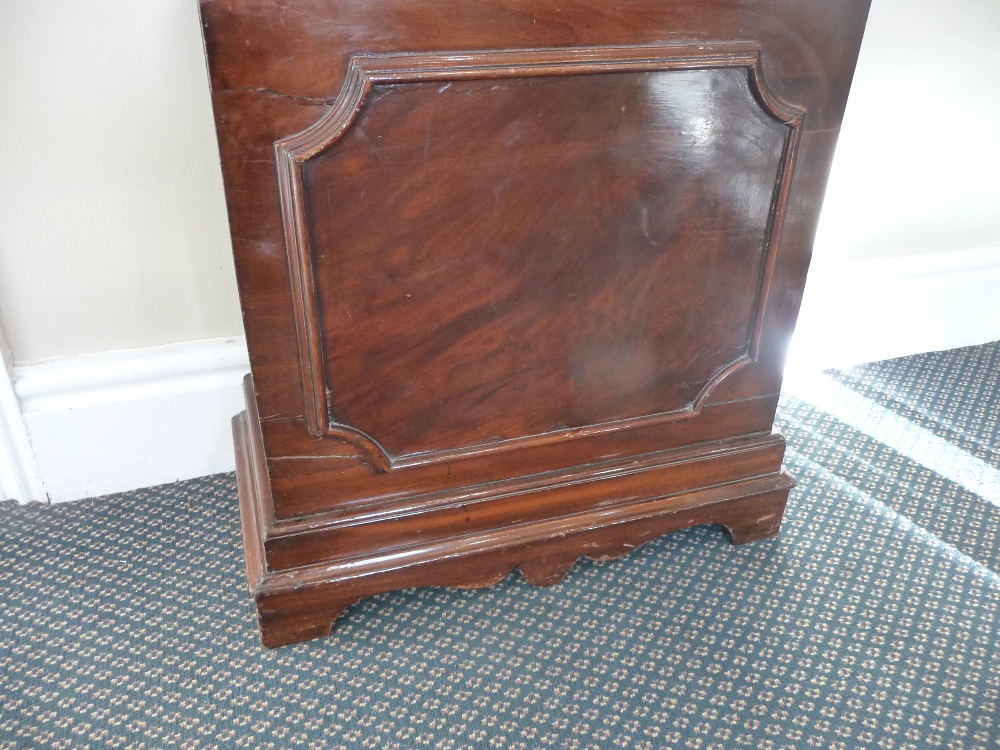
{"type": "Point", "coordinates": [519, 301]}
{"type": "Point", "coordinates": [496, 249]}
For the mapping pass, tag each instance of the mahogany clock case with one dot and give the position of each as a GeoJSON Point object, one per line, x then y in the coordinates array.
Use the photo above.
{"type": "Point", "coordinates": [517, 277]}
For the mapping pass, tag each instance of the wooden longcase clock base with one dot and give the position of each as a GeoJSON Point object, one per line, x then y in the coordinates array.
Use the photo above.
{"type": "Point", "coordinates": [517, 277]}
{"type": "Point", "coordinates": [302, 603]}
{"type": "Point", "coordinates": [602, 512]}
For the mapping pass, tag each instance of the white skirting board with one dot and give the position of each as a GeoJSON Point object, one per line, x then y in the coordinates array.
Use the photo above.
{"type": "Point", "coordinates": [19, 478]}
{"type": "Point", "coordinates": [121, 420]}
{"type": "Point", "coordinates": [879, 308]}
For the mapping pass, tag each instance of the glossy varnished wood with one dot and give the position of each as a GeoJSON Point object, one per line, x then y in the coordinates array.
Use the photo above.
{"type": "Point", "coordinates": [517, 277]}
{"type": "Point", "coordinates": [304, 601]}
{"type": "Point", "coordinates": [533, 261]}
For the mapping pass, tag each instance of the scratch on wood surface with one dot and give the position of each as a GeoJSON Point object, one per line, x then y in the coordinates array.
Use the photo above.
{"type": "Point", "coordinates": [270, 92]}
{"type": "Point", "coordinates": [313, 458]}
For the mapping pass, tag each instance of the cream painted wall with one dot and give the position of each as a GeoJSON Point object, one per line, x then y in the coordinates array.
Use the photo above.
{"type": "Point", "coordinates": [112, 223]}
{"type": "Point", "coordinates": [907, 258]}
{"type": "Point", "coordinates": [919, 154]}
{"type": "Point", "coordinates": [113, 232]}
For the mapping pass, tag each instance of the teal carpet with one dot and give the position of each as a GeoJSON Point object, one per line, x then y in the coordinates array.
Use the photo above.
{"type": "Point", "coordinates": [872, 622]}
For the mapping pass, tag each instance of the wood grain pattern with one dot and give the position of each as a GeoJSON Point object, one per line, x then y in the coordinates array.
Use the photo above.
{"type": "Point", "coordinates": [304, 601]}
{"type": "Point", "coordinates": [521, 291]}
{"type": "Point", "coordinates": [555, 307]}
{"type": "Point", "coordinates": [303, 483]}
{"type": "Point", "coordinates": [275, 73]}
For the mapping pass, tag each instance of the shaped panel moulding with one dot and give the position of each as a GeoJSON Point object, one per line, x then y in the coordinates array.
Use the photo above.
{"type": "Point", "coordinates": [513, 311]}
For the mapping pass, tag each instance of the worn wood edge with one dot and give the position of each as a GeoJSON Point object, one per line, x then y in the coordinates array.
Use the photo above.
{"type": "Point", "coordinates": [252, 486]}
{"type": "Point", "coordinates": [255, 441]}
{"type": "Point", "coordinates": [248, 492]}
{"type": "Point", "coordinates": [302, 604]}
{"type": "Point", "coordinates": [402, 535]}
{"type": "Point", "coordinates": [550, 479]}
{"type": "Point", "coordinates": [547, 499]}
{"type": "Point", "coordinates": [522, 534]}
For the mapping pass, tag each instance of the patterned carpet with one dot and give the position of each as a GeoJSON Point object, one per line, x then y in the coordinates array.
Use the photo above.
{"type": "Point", "coordinates": [872, 622]}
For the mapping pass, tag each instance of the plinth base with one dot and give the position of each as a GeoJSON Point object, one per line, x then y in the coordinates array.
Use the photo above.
{"type": "Point", "coordinates": [300, 603]}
